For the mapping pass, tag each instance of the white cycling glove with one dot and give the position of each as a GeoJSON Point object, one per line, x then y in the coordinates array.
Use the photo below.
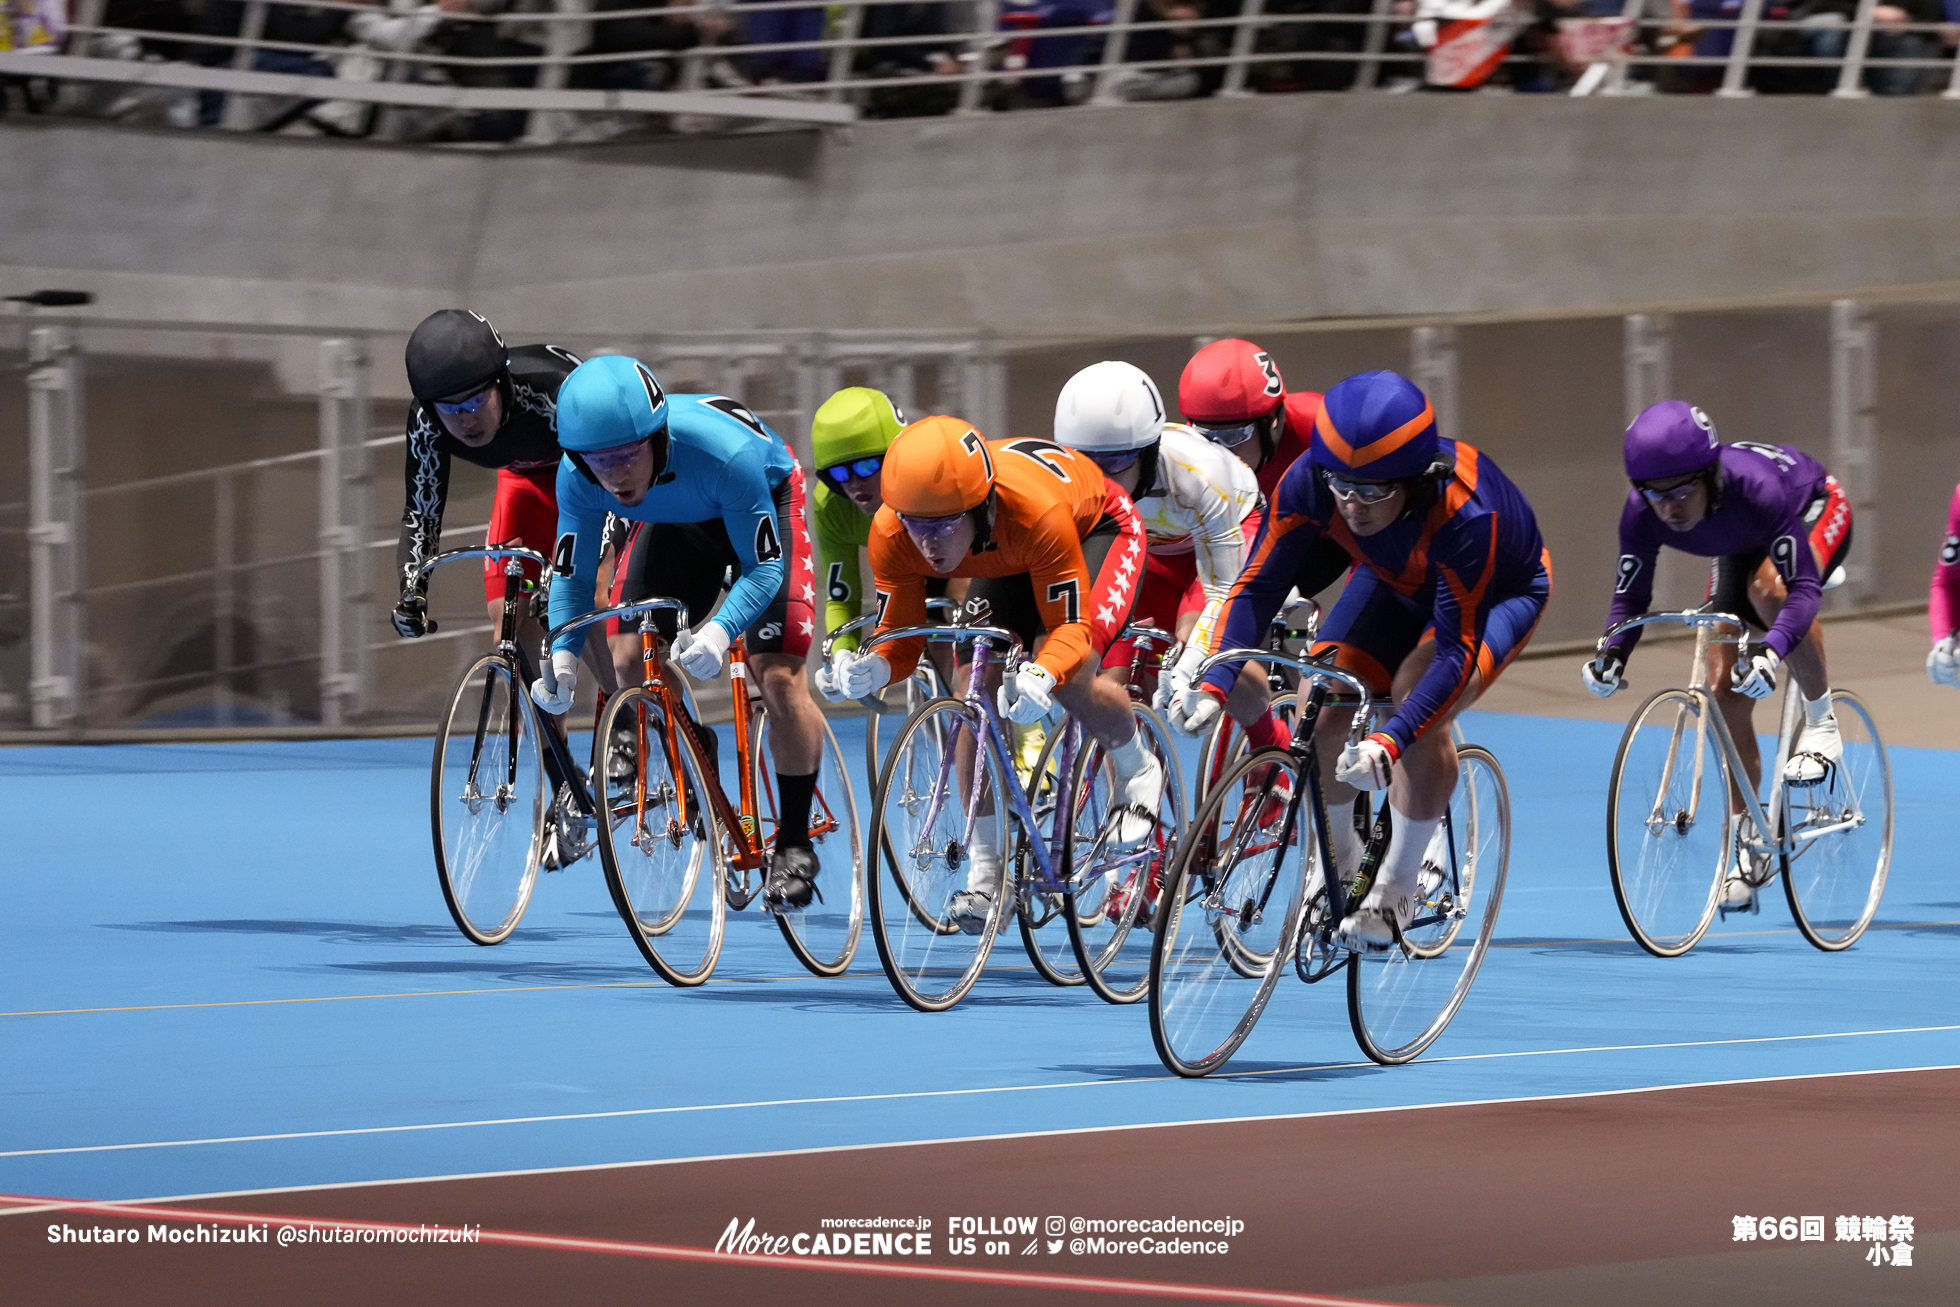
{"type": "Point", "coordinates": [1195, 710]}
{"type": "Point", "coordinates": [557, 684]}
{"type": "Point", "coordinates": [1033, 698]}
{"type": "Point", "coordinates": [1367, 765]}
{"type": "Point", "coordinates": [853, 675]}
{"type": "Point", "coordinates": [699, 653]}
{"type": "Point", "coordinates": [1605, 675]}
{"type": "Point", "coordinates": [1943, 664]}
{"type": "Point", "coordinates": [1179, 676]}
{"type": "Point", "coordinates": [1757, 677]}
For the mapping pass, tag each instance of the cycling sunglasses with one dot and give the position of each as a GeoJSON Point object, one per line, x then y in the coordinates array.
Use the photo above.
{"type": "Point", "coordinates": [471, 405]}
{"type": "Point", "coordinates": [842, 473]}
{"type": "Point", "coordinates": [1228, 433]}
{"type": "Point", "coordinates": [1672, 495]}
{"type": "Point", "coordinates": [932, 528]}
{"type": "Point", "coordinates": [1360, 492]}
{"type": "Point", "coordinates": [1114, 460]}
{"type": "Point", "coordinates": [607, 460]}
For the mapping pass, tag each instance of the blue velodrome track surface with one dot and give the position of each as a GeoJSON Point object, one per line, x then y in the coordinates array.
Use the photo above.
{"type": "Point", "coordinates": [228, 967]}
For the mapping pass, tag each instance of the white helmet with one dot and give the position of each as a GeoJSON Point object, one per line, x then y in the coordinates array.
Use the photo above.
{"type": "Point", "coordinates": [1109, 406]}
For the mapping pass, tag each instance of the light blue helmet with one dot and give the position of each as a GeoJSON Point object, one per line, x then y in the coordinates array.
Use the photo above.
{"type": "Point", "coordinates": [611, 401]}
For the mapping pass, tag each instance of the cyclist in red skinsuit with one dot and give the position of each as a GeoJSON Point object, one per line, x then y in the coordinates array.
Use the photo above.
{"type": "Point", "coordinates": [1232, 392]}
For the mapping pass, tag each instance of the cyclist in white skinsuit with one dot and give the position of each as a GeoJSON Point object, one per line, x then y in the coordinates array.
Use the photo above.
{"type": "Point", "coordinates": [1199, 504]}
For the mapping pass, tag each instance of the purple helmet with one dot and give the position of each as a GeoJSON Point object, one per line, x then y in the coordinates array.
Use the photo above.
{"type": "Point", "coordinates": [1670, 439]}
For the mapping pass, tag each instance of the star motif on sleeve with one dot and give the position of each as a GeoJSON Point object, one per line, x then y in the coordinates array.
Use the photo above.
{"type": "Point", "coordinates": [806, 627]}
{"type": "Point", "coordinates": [809, 594]}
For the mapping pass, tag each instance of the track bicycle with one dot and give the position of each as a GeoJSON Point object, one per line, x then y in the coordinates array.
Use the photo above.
{"type": "Point", "coordinates": [1226, 742]}
{"type": "Point", "coordinates": [1247, 898]}
{"type": "Point", "coordinates": [677, 853]}
{"type": "Point", "coordinates": [1100, 935]}
{"type": "Point", "coordinates": [924, 683]}
{"type": "Point", "coordinates": [496, 776]}
{"type": "Point", "coordinates": [1679, 815]}
{"type": "Point", "coordinates": [927, 819]}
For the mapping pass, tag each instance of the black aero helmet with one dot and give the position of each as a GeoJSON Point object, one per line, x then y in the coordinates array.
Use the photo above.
{"type": "Point", "coordinates": [453, 352]}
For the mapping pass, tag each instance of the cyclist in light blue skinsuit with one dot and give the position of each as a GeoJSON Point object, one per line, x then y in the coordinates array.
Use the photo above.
{"type": "Point", "coordinates": [708, 486]}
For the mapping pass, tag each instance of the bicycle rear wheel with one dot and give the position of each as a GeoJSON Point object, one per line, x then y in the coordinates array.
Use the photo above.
{"type": "Point", "coordinates": [1113, 901]}
{"type": "Point", "coordinates": [1401, 999]}
{"type": "Point", "coordinates": [660, 853]}
{"type": "Point", "coordinates": [824, 936]}
{"type": "Point", "coordinates": [1668, 824]}
{"type": "Point", "coordinates": [1231, 912]}
{"type": "Point", "coordinates": [487, 802]}
{"type": "Point", "coordinates": [1226, 743]}
{"type": "Point", "coordinates": [1842, 829]}
{"type": "Point", "coordinates": [922, 841]}
{"type": "Point", "coordinates": [1041, 914]}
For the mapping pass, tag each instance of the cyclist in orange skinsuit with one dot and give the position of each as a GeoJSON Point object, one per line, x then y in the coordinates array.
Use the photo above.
{"type": "Point", "coordinates": [1054, 547]}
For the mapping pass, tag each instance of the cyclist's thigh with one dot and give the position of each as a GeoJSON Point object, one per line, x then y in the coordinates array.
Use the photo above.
{"type": "Point", "coordinates": [787, 624]}
{"type": "Point", "coordinates": [1829, 515]}
{"type": "Point", "coordinates": [1161, 599]}
{"type": "Point", "coordinates": [675, 560]}
{"type": "Point", "coordinates": [1372, 629]}
{"type": "Point", "coordinates": [1730, 586]}
{"type": "Point", "coordinates": [525, 512]}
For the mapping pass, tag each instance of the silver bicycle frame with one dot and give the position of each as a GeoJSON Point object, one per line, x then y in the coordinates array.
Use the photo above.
{"type": "Point", "coordinates": [1769, 832]}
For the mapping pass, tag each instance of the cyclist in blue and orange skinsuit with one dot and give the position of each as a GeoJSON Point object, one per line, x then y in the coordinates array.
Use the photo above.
{"type": "Point", "coordinates": [1450, 579]}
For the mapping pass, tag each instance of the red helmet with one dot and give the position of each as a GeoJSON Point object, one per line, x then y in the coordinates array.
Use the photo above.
{"type": "Point", "coordinates": [1230, 381]}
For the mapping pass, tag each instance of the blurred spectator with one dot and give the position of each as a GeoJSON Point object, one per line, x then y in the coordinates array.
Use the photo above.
{"type": "Point", "coordinates": [1160, 45]}
{"type": "Point", "coordinates": [934, 52]}
{"type": "Point", "coordinates": [389, 27]}
{"type": "Point", "coordinates": [769, 26]}
{"type": "Point", "coordinates": [625, 36]}
{"type": "Point", "coordinates": [1465, 41]}
{"type": "Point", "coordinates": [1315, 38]}
{"type": "Point", "coordinates": [480, 40]}
{"type": "Point", "coordinates": [1078, 50]}
{"type": "Point", "coordinates": [291, 24]}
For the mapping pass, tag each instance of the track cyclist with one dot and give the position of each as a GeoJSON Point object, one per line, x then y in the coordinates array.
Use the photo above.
{"type": "Point", "coordinates": [1450, 579]}
{"type": "Point", "coordinates": [1943, 606]}
{"type": "Point", "coordinates": [712, 487]}
{"type": "Point", "coordinates": [1055, 548]}
{"type": "Point", "coordinates": [497, 408]}
{"type": "Point", "coordinates": [1232, 394]}
{"type": "Point", "coordinates": [1778, 526]}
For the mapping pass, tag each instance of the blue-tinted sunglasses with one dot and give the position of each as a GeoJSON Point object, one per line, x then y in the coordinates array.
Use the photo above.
{"type": "Point", "coordinates": [470, 405]}
{"type": "Point", "coordinates": [863, 467]}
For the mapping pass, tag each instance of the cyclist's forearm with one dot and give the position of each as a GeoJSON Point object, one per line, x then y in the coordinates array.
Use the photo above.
{"type": "Point", "coordinates": [420, 540]}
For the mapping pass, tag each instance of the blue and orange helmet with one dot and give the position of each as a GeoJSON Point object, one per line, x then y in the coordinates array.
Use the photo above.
{"type": "Point", "coordinates": [1375, 426]}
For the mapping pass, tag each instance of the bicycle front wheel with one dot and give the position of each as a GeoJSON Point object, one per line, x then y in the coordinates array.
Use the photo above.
{"type": "Point", "coordinates": [657, 839]}
{"type": "Point", "coordinates": [1041, 913]}
{"type": "Point", "coordinates": [1113, 893]}
{"type": "Point", "coordinates": [1841, 830]}
{"type": "Point", "coordinates": [1668, 824]}
{"type": "Point", "coordinates": [824, 936]}
{"type": "Point", "coordinates": [1401, 999]}
{"type": "Point", "coordinates": [927, 823]}
{"type": "Point", "coordinates": [487, 802]}
{"type": "Point", "coordinates": [1231, 913]}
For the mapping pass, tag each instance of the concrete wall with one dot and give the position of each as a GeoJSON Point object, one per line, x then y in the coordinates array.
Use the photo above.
{"type": "Point", "coordinates": [1142, 219]}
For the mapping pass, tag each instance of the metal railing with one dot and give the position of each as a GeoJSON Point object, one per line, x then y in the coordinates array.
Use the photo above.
{"type": "Point", "coordinates": [711, 64]}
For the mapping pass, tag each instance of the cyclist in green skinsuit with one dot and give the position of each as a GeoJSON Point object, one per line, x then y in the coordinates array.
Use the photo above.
{"type": "Point", "coordinates": [847, 442]}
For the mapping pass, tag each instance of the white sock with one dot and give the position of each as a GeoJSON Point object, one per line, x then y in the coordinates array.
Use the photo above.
{"type": "Point", "coordinates": [983, 858]}
{"type": "Point", "coordinates": [1128, 757]}
{"type": "Point", "coordinates": [1346, 844]}
{"type": "Point", "coordinates": [1402, 864]}
{"type": "Point", "coordinates": [1817, 711]}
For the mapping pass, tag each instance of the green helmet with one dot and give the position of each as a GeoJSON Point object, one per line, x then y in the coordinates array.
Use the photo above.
{"type": "Point", "coordinates": [856, 422]}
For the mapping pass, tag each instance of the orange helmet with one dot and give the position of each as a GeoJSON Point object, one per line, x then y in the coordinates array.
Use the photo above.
{"type": "Point", "coordinates": [937, 467]}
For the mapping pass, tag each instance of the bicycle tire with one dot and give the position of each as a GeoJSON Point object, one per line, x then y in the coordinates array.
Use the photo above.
{"type": "Point", "coordinates": [1831, 895]}
{"type": "Point", "coordinates": [665, 876]}
{"type": "Point", "coordinates": [1400, 1000]}
{"type": "Point", "coordinates": [487, 847]}
{"type": "Point", "coordinates": [1203, 1005]}
{"type": "Point", "coordinates": [921, 859]}
{"type": "Point", "coordinates": [1665, 855]}
{"type": "Point", "coordinates": [1114, 956]}
{"type": "Point", "coordinates": [1040, 916]}
{"type": "Point", "coordinates": [824, 936]}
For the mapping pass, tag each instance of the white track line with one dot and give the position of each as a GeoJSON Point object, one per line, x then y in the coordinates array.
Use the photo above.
{"type": "Point", "coordinates": [996, 1138]}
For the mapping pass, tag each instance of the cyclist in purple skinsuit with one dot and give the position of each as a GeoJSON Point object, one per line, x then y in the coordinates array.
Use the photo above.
{"type": "Point", "coordinates": [1778, 526]}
